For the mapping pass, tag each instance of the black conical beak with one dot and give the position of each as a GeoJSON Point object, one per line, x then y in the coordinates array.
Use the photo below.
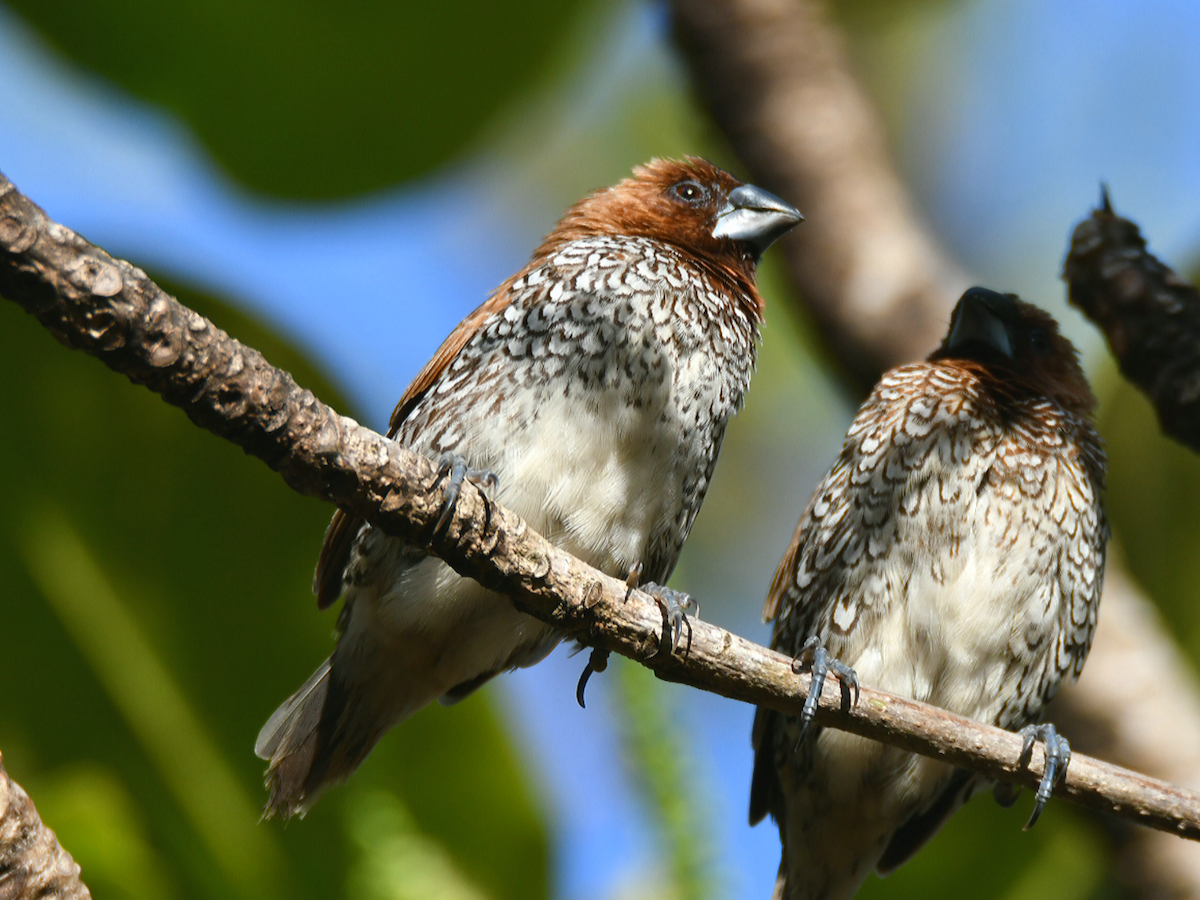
{"type": "Point", "coordinates": [755, 217]}
{"type": "Point", "coordinates": [980, 318]}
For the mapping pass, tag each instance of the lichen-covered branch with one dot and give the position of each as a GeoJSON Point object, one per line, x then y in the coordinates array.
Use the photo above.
{"type": "Point", "coordinates": [113, 311]}
{"type": "Point", "coordinates": [1149, 314]}
{"type": "Point", "coordinates": [32, 864]}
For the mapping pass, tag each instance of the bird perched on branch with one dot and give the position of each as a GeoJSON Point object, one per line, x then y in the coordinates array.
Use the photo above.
{"type": "Point", "coordinates": [591, 393]}
{"type": "Point", "coordinates": [953, 554]}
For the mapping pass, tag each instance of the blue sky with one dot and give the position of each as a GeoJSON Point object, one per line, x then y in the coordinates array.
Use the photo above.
{"type": "Point", "coordinates": [1014, 111]}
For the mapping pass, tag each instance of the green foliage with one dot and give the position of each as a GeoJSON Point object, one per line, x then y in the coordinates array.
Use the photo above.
{"type": "Point", "coordinates": [157, 608]}
{"type": "Point", "coordinates": [397, 862]}
{"type": "Point", "coordinates": [983, 853]}
{"type": "Point", "coordinates": [1153, 495]}
{"type": "Point", "coordinates": [656, 748]}
{"type": "Point", "coordinates": [156, 596]}
{"type": "Point", "coordinates": [304, 98]}
{"type": "Point", "coordinates": [864, 16]}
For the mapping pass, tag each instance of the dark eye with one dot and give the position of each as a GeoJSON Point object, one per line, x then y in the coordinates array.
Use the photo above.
{"type": "Point", "coordinates": [690, 192]}
{"type": "Point", "coordinates": [1039, 340]}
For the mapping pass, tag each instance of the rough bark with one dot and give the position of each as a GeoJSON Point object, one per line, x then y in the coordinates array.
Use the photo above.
{"type": "Point", "coordinates": [1150, 316]}
{"type": "Point", "coordinates": [113, 311]}
{"type": "Point", "coordinates": [774, 76]}
{"type": "Point", "coordinates": [32, 864]}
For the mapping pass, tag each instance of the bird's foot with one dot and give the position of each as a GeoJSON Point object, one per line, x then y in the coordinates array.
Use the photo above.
{"type": "Point", "coordinates": [455, 466]}
{"type": "Point", "coordinates": [820, 666]}
{"type": "Point", "coordinates": [597, 662]}
{"type": "Point", "coordinates": [1058, 757]}
{"type": "Point", "coordinates": [673, 603]}
{"type": "Point", "coordinates": [599, 659]}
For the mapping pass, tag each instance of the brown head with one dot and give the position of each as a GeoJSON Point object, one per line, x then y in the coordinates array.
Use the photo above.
{"type": "Point", "coordinates": [1018, 346]}
{"type": "Point", "coordinates": [690, 203]}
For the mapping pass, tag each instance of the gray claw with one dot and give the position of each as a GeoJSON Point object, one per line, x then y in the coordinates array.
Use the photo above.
{"type": "Point", "coordinates": [1058, 757]}
{"type": "Point", "coordinates": [455, 465]}
{"type": "Point", "coordinates": [822, 664]}
{"type": "Point", "coordinates": [673, 603]}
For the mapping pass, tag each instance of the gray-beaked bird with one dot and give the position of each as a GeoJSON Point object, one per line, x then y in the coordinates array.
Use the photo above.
{"type": "Point", "coordinates": [953, 554]}
{"type": "Point", "coordinates": [595, 385]}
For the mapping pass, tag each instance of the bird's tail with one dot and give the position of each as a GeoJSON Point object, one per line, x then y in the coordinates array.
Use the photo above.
{"type": "Point", "coordinates": [324, 731]}
{"type": "Point", "coordinates": [288, 741]}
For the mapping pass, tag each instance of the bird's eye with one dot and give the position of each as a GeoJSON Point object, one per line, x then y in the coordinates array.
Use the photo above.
{"type": "Point", "coordinates": [690, 192]}
{"type": "Point", "coordinates": [1039, 340]}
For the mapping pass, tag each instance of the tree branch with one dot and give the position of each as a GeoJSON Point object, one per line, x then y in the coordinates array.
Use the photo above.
{"type": "Point", "coordinates": [32, 864]}
{"type": "Point", "coordinates": [1149, 314]}
{"type": "Point", "coordinates": [112, 310]}
{"type": "Point", "coordinates": [1155, 727]}
{"type": "Point", "coordinates": [774, 75]}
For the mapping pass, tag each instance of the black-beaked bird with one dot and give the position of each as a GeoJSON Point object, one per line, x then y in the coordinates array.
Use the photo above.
{"type": "Point", "coordinates": [594, 388]}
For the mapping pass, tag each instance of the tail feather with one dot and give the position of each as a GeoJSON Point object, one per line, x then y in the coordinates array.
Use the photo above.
{"type": "Point", "coordinates": [300, 713]}
{"type": "Point", "coordinates": [318, 737]}
{"type": "Point", "coordinates": [288, 741]}
{"type": "Point", "coordinates": [323, 732]}
{"type": "Point", "coordinates": [393, 657]}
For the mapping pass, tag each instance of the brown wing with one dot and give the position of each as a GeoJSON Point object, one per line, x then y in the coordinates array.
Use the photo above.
{"type": "Point", "coordinates": [784, 573]}
{"type": "Point", "coordinates": [450, 348]}
{"type": "Point", "coordinates": [339, 536]}
{"type": "Point", "coordinates": [335, 553]}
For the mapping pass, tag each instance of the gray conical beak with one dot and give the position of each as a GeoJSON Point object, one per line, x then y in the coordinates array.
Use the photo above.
{"type": "Point", "coordinates": [979, 318]}
{"type": "Point", "coordinates": [755, 217]}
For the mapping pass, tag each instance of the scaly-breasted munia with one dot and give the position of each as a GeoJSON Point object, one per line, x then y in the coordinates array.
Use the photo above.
{"type": "Point", "coordinates": [953, 554]}
{"type": "Point", "coordinates": [595, 385]}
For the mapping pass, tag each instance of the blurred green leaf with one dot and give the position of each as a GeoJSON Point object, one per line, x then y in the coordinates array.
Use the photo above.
{"type": "Point", "coordinates": [97, 820]}
{"type": "Point", "coordinates": [656, 747]}
{"type": "Point", "coordinates": [1153, 497]}
{"type": "Point", "coordinates": [161, 614]}
{"type": "Point", "coordinates": [309, 98]}
{"type": "Point", "coordinates": [983, 853]}
{"type": "Point", "coordinates": [859, 16]}
{"type": "Point", "coordinates": [459, 775]}
{"type": "Point", "coordinates": [151, 703]}
{"type": "Point", "coordinates": [397, 862]}
{"type": "Point", "coordinates": [1070, 865]}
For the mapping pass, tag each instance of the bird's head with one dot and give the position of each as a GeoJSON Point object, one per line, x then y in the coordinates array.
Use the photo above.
{"type": "Point", "coordinates": [689, 203]}
{"type": "Point", "coordinates": [1019, 345]}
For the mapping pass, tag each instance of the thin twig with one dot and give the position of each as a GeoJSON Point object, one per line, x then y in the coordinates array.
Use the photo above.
{"type": "Point", "coordinates": [115, 312]}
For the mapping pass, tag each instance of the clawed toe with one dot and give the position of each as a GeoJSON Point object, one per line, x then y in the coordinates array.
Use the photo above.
{"type": "Point", "coordinates": [673, 603]}
{"type": "Point", "coordinates": [1006, 794]}
{"type": "Point", "coordinates": [597, 662]}
{"type": "Point", "coordinates": [822, 664]}
{"type": "Point", "coordinates": [455, 465]}
{"type": "Point", "coordinates": [1058, 757]}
